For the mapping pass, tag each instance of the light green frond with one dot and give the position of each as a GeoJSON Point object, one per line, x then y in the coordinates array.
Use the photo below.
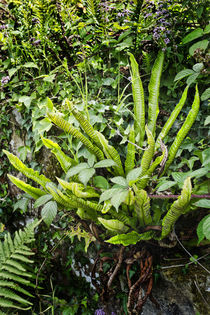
{"type": "Point", "coordinates": [112, 154]}
{"type": "Point", "coordinates": [172, 118]}
{"type": "Point", "coordinates": [148, 154]}
{"type": "Point", "coordinates": [13, 269]}
{"type": "Point", "coordinates": [32, 191]}
{"type": "Point", "coordinates": [84, 123]}
{"type": "Point", "coordinates": [138, 98]}
{"type": "Point", "coordinates": [184, 130]}
{"type": "Point", "coordinates": [131, 238]}
{"type": "Point", "coordinates": [28, 172]}
{"type": "Point", "coordinates": [142, 183]}
{"type": "Point", "coordinates": [131, 150]}
{"type": "Point", "coordinates": [62, 158]}
{"type": "Point", "coordinates": [114, 225]}
{"type": "Point", "coordinates": [68, 128]}
{"type": "Point", "coordinates": [179, 207]}
{"type": "Point", "coordinates": [154, 86]}
{"type": "Point", "coordinates": [87, 214]}
{"type": "Point", "coordinates": [78, 189]}
{"type": "Point", "coordinates": [142, 206]}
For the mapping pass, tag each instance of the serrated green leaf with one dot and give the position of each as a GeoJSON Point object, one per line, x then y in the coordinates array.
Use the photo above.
{"type": "Point", "coordinates": [86, 174]}
{"type": "Point", "coordinates": [200, 230]}
{"type": "Point", "coordinates": [182, 74]}
{"type": "Point", "coordinates": [206, 227]}
{"type": "Point", "coordinates": [42, 200]}
{"type": "Point", "coordinates": [107, 194]}
{"type": "Point", "coordinates": [120, 181]}
{"type": "Point", "coordinates": [203, 203]}
{"type": "Point", "coordinates": [192, 78]}
{"type": "Point", "coordinates": [205, 95]}
{"type": "Point", "coordinates": [198, 67]}
{"type": "Point", "coordinates": [133, 174]}
{"type": "Point", "coordinates": [207, 29]}
{"type": "Point", "coordinates": [120, 197]}
{"type": "Point", "coordinates": [203, 44]}
{"type": "Point", "coordinates": [49, 212]}
{"type": "Point", "coordinates": [166, 185]}
{"type": "Point", "coordinates": [77, 169]}
{"type": "Point", "coordinates": [105, 163]}
{"type": "Point", "coordinates": [100, 182]}
{"type": "Point", "coordinates": [198, 32]}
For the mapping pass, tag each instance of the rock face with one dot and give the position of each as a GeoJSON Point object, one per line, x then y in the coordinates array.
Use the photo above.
{"type": "Point", "coordinates": [171, 298]}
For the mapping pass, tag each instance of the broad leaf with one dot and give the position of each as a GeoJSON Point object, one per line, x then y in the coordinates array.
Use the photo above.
{"type": "Point", "coordinates": [105, 163]}
{"type": "Point", "coordinates": [182, 74]}
{"type": "Point", "coordinates": [101, 182]}
{"type": "Point", "coordinates": [77, 169]}
{"type": "Point", "coordinates": [198, 32]}
{"type": "Point", "coordinates": [133, 174]}
{"type": "Point", "coordinates": [118, 198]}
{"type": "Point", "coordinates": [166, 185]}
{"type": "Point", "coordinates": [86, 174]}
{"type": "Point", "coordinates": [120, 181]}
{"type": "Point", "coordinates": [203, 44]}
{"type": "Point", "coordinates": [42, 200]}
{"type": "Point", "coordinates": [131, 238]}
{"type": "Point", "coordinates": [114, 225]}
{"type": "Point", "coordinates": [107, 194]}
{"type": "Point", "coordinates": [49, 212]}
{"type": "Point", "coordinates": [203, 203]}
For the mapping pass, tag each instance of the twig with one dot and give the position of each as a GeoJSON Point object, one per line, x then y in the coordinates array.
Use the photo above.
{"type": "Point", "coordinates": [117, 267]}
{"type": "Point", "coordinates": [182, 265]}
{"type": "Point", "coordinates": [119, 134]}
{"type": "Point", "coordinates": [207, 196]}
{"type": "Point", "coordinates": [197, 287]}
{"type": "Point", "coordinates": [194, 259]}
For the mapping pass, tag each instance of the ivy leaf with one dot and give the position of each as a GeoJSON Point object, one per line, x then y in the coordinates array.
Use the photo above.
{"type": "Point", "coordinates": [120, 181]}
{"type": "Point", "coordinates": [49, 212]}
{"type": "Point", "coordinates": [101, 182]}
{"type": "Point", "coordinates": [105, 163]}
{"type": "Point", "coordinates": [119, 197]}
{"type": "Point", "coordinates": [42, 200]}
{"type": "Point", "coordinates": [86, 174]}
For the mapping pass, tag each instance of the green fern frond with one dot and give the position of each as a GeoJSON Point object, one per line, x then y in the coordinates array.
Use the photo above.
{"type": "Point", "coordinates": [146, 60]}
{"type": "Point", "coordinates": [142, 206]}
{"type": "Point", "coordinates": [172, 118]}
{"type": "Point", "coordinates": [84, 123]}
{"type": "Point", "coordinates": [62, 158]}
{"type": "Point", "coordinates": [112, 154]}
{"type": "Point", "coordinates": [131, 150]}
{"type": "Point", "coordinates": [13, 269]}
{"type": "Point", "coordinates": [79, 190]}
{"type": "Point", "coordinates": [154, 86]}
{"type": "Point", "coordinates": [138, 98]}
{"type": "Point", "coordinates": [131, 238]}
{"type": "Point", "coordinates": [184, 130]}
{"type": "Point", "coordinates": [28, 172]}
{"type": "Point", "coordinates": [142, 183]}
{"type": "Point", "coordinates": [148, 154]}
{"type": "Point", "coordinates": [68, 128]}
{"type": "Point", "coordinates": [32, 191]}
{"type": "Point", "coordinates": [179, 207]}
